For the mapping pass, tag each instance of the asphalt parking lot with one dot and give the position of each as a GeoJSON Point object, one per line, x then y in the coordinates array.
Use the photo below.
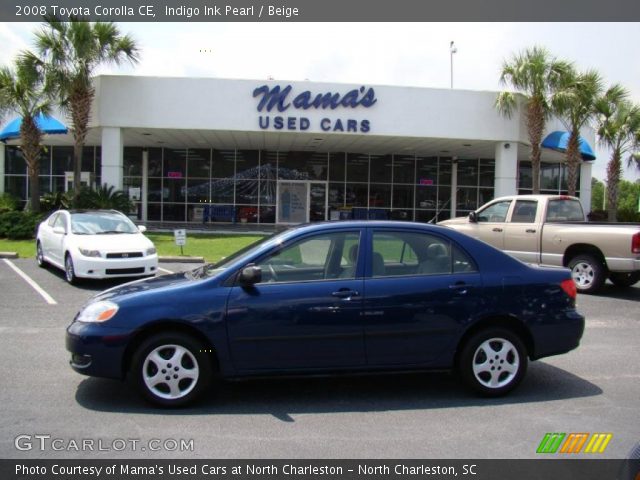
{"type": "Point", "coordinates": [593, 389]}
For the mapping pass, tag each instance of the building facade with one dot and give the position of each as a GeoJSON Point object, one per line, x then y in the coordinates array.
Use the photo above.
{"type": "Point", "coordinates": [202, 150]}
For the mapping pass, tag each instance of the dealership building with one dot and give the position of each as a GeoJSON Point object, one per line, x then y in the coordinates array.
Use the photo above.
{"type": "Point", "coordinates": [208, 150]}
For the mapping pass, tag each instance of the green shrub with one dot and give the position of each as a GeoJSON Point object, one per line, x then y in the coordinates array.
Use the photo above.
{"type": "Point", "coordinates": [104, 197]}
{"type": "Point", "coordinates": [628, 215]}
{"type": "Point", "coordinates": [8, 203]}
{"type": "Point", "coordinates": [19, 225]}
{"type": "Point", "coordinates": [50, 202]}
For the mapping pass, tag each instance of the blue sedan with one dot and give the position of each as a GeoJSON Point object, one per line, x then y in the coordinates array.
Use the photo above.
{"type": "Point", "coordinates": [330, 298]}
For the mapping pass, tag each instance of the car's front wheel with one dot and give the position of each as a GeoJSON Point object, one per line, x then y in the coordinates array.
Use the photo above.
{"type": "Point", "coordinates": [493, 362]}
{"type": "Point", "coordinates": [69, 270]}
{"type": "Point", "coordinates": [171, 369]}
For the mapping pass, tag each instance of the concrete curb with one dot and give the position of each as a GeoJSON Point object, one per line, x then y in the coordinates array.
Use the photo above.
{"type": "Point", "coordinates": [9, 255]}
{"type": "Point", "coordinates": [179, 259]}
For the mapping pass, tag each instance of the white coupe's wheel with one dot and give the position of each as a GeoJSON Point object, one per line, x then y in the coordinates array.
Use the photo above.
{"type": "Point", "coordinates": [69, 270]}
{"type": "Point", "coordinates": [42, 263]}
{"type": "Point", "coordinates": [493, 362]}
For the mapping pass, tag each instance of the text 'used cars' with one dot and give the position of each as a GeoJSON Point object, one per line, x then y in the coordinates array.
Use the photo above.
{"type": "Point", "coordinates": [342, 297]}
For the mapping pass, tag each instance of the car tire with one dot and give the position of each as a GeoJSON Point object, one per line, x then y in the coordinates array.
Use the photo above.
{"type": "Point", "coordinates": [42, 263]}
{"type": "Point", "coordinates": [171, 369]}
{"type": "Point", "coordinates": [588, 273]}
{"type": "Point", "coordinates": [493, 362]}
{"type": "Point", "coordinates": [69, 270]}
{"type": "Point", "coordinates": [624, 280]}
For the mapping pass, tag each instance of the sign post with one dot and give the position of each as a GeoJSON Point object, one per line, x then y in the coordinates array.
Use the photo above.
{"type": "Point", "coordinates": [180, 238]}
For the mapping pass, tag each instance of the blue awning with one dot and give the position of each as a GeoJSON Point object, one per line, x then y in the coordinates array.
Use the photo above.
{"type": "Point", "coordinates": [48, 125]}
{"type": "Point", "coordinates": [558, 141]}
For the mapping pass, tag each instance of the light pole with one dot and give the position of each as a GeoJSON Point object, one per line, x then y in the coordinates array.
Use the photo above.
{"type": "Point", "coordinates": [452, 50]}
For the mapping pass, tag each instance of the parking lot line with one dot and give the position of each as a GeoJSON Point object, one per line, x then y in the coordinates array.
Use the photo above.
{"type": "Point", "coordinates": [165, 270]}
{"type": "Point", "coordinates": [48, 298]}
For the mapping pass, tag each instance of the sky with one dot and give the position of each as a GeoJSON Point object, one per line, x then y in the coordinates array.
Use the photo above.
{"type": "Point", "coordinates": [402, 54]}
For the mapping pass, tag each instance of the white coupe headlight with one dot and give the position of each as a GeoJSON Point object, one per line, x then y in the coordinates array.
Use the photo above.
{"type": "Point", "coordinates": [98, 312]}
{"type": "Point", "coordinates": [89, 253]}
{"type": "Point", "coordinates": [151, 251]}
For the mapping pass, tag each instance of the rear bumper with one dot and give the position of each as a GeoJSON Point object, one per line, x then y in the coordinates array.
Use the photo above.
{"type": "Point", "coordinates": [95, 350]}
{"type": "Point", "coordinates": [558, 337]}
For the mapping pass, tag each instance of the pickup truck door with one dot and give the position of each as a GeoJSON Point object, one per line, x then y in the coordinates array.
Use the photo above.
{"type": "Point", "coordinates": [522, 231]}
{"type": "Point", "coordinates": [491, 224]}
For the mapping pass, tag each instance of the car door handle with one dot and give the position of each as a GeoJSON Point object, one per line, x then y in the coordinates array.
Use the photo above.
{"type": "Point", "coordinates": [497, 229]}
{"type": "Point", "coordinates": [460, 288]}
{"type": "Point", "coordinates": [530, 230]}
{"type": "Point", "coordinates": [345, 293]}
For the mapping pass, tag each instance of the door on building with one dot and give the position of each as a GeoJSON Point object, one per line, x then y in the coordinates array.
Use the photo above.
{"type": "Point", "coordinates": [301, 202]}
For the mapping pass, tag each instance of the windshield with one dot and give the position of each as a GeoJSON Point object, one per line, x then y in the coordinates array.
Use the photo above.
{"type": "Point", "coordinates": [211, 269]}
{"type": "Point", "coordinates": [101, 223]}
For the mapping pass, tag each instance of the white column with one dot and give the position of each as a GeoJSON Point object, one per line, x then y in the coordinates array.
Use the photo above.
{"type": "Point", "coordinates": [454, 187]}
{"type": "Point", "coordinates": [112, 157]}
{"type": "Point", "coordinates": [2, 160]}
{"type": "Point", "coordinates": [585, 186]}
{"type": "Point", "coordinates": [145, 183]}
{"type": "Point", "coordinates": [506, 181]}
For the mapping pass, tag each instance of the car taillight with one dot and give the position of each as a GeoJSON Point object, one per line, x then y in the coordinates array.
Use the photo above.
{"type": "Point", "coordinates": [635, 243]}
{"type": "Point", "coordinates": [569, 288]}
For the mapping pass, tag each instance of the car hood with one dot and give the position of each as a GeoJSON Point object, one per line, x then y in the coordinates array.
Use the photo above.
{"type": "Point", "coordinates": [124, 242]}
{"type": "Point", "coordinates": [455, 221]}
{"type": "Point", "coordinates": [145, 285]}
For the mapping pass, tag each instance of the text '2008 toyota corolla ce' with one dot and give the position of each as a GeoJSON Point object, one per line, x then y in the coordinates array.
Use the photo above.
{"type": "Point", "coordinates": [332, 298]}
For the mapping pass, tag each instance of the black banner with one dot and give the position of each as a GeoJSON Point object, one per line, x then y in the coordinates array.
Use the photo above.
{"type": "Point", "coordinates": [323, 11]}
{"type": "Point", "coordinates": [547, 469]}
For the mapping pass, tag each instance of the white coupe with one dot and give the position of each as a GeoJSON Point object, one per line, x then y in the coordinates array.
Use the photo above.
{"type": "Point", "coordinates": [95, 244]}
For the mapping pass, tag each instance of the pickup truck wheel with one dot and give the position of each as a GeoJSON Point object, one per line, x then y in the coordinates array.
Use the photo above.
{"type": "Point", "coordinates": [171, 369]}
{"type": "Point", "coordinates": [624, 280]}
{"type": "Point", "coordinates": [588, 273]}
{"type": "Point", "coordinates": [493, 362]}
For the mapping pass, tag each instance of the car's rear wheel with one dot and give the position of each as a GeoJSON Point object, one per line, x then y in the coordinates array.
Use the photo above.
{"type": "Point", "coordinates": [588, 273]}
{"type": "Point", "coordinates": [624, 280]}
{"type": "Point", "coordinates": [171, 369]}
{"type": "Point", "coordinates": [493, 362]}
{"type": "Point", "coordinates": [42, 263]}
{"type": "Point", "coordinates": [69, 270]}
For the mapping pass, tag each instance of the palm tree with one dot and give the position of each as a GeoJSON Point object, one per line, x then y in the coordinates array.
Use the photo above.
{"type": "Point", "coordinates": [618, 124]}
{"type": "Point", "coordinates": [574, 102]}
{"type": "Point", "coordinates": [534, 75]}
{"type": "Point", "coordinates": [70, 52]}
{"type": "Point", "coordinates": [22, 90]}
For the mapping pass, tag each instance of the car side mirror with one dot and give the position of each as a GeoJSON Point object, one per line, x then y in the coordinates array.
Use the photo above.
{"type": "Point", "coordinates": [142, 228]}
{"type": "Point", "coordinates": [473, 217]}
{"type": "Point", "coordinates": [250, 275]}
{"type": "Point", "coordinates": [59, 230]}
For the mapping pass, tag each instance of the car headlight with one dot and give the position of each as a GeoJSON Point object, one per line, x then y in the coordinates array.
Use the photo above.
{"type": "Point", "coordinates": [98, 312]}
{"type": "Point", "coordinates": [151, 251]}
{"type": "Point", "coordinates": [89, 253]}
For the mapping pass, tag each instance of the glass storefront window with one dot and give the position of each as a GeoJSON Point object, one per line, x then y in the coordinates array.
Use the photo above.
{"type": "Point", "coordinates": [247, 192]}
{"type": "Point", "coordinates": [381, 169]}
{"type": "Point", "coordinates": [404, 169]}
{"type": "Point", "coordinates": [403, 196]}
{"type": "Point", "coordinates": [357, 167]}
{"type": "Point", "coordinates": [247, 164]}
{"type": "Point", "coordinates": [174, 189]}
{"type": "Point", "coordinates": [173, 212]}
{"type": "Point", "coordinates": [268, 192]}
{"type": "Point", "coordinates": [175, 163]}
{"type": "Point", "coordinates": [62, 160]}
{"type": "Point", "coordinates": [427, 170]}
{"type": "Point", "coordinates": [379, 195]}
{"type": "Point", "coordinates": [198, 190]}
{"type": "Point", "coordinates": [154, 193]}
{"type": "Point", "coordinates": [198, 162]}
{"type": "Point", "coordinates": [467, 200]}
{"type": "Point", "coordinates": [356, 194]}
{"type": "Point", "coordinates": [14, 163]}
{"type": "Point", "coordinates": [16, 185]}
{"type": "Point", "coordinates": [132, 161]}
{"type": "Point", "coordinates": [222, 190]}
{"type": "Point", "coordinates": [88, 159]}
{"type": "Point", "coordinates": [155, 162]}
{"type": "Point", "coordinates": [336, 195]}
{"type": "Point", "coordinates": [337, 167]}
{"type": "Point", "coordinates": [223, 164]}
{"type": "Point", "coordinates": [487, 172]}
{"type": "Point", "coordinates": [426, 196]}
{"type": "Point", "coordinates": [444, 171]}
{"type": "Point", "coordinates": [468, 172]}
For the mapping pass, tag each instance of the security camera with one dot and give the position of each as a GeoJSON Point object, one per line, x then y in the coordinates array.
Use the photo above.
{"type": "Point", "coordinates": [507, 145]}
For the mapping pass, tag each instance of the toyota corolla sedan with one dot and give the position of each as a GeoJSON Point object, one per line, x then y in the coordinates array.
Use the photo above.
{"type": "Point", "coordinates": [342, 297]}
{"type": "Point", "coordinates": [95, 244]}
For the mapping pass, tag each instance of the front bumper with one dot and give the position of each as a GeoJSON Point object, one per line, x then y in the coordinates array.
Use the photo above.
{"type": "Point", "coordinates": [97, 350]}
{"type": "Point", "coordinates": [92, 267]}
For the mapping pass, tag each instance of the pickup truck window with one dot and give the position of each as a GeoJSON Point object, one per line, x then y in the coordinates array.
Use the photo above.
{"type": "Point", "coordinates": [564, 210]}
{"type": "Point", "coordinates": [496, 212]}
{"type": "Point", "coordinates": [524, 211]}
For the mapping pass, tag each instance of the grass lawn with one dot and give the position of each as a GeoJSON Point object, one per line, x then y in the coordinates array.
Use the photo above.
{"type": "Point", "coordinates": [211, 247]}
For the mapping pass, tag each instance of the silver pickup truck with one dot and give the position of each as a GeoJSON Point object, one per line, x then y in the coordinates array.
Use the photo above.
{"type": "Point", "coordinates": [551, 230]}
